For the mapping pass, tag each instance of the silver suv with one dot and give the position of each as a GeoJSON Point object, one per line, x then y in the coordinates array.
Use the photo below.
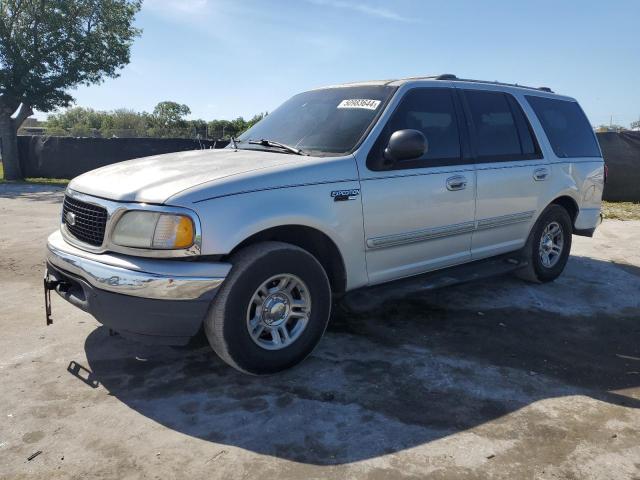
{"type": "Point", "coordinates": [340, 188]}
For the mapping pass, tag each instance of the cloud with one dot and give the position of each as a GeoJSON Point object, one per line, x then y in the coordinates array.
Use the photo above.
{"type": "Point", "coordinates": [372, 11]}
{"type": "Point", "coordinates": [177, 6]}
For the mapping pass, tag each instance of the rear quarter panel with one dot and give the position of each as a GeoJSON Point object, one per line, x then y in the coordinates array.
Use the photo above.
{"type": "Point", "coordinates": [581, 179]}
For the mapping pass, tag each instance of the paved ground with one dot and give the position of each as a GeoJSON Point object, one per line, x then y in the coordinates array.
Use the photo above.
{"type": "Point", "coordinates": [516, 381]}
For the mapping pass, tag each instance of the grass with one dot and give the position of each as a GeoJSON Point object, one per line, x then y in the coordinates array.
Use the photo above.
{"type": "Point", "coordinates": [35, 181]}
{"type": "Point", "coordinates": [621, 210]}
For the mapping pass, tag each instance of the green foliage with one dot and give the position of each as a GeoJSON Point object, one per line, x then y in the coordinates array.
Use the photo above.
{"type": "Point", "coordinates": [78, 122]}
{"type": "Point", "coordinates": [228, 128]}
{"type": "Point", "coordinates": [167, 120]}
{"type": "Point", "coordinates": [86, 122]}
{"type": "Point", "coordinates": [124, 123]}
{"type": "Point", "coordinates": [49, 46]}
{"type": "Point", "coordinates": [168, 113]}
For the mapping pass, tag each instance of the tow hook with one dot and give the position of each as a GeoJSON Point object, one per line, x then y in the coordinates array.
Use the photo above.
{"type": "Point", "coordinates": [48, 286]}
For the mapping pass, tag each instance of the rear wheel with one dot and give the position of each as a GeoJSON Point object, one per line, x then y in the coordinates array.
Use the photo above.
{"type": "Point", "coordinates": [272, 309]}
{"type": "Point", "coordinates": [548, 247]}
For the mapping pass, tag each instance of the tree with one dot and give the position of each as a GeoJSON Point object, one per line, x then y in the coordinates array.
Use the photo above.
{"type": "Point", "coordinates": [219, 128]}
{"type": "Point", "coordinates": [169, 113]}
{"type": "Point", "coordinates": [197, 128]}
{"type": "Point", "coordinates": [168, 119]}
{"type": "Point", "coordinates": [635, 125]}
{"type": "Point", "coordinates": [78, 122]}
{"type": "Point", "coordinates": [50, 46]}
{"type": "Point", "coordinates": [124, 123]}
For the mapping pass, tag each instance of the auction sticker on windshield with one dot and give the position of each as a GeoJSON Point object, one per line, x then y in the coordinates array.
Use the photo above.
{"type": "Point", "coordinates": [359, 103]}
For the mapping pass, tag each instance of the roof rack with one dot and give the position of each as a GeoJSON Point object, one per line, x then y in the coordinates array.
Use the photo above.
{"type": "Point", "coordinates": [450, 76]}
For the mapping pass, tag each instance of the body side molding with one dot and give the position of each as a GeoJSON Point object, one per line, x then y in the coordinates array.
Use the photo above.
{"type": "Point", "coordinates": [447, 230]}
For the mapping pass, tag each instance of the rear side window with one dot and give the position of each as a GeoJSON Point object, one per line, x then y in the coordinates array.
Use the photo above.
{"type": "Point", "coordinates": [566, 126]}
{"type": "Point", "coordinates": [500, 129]}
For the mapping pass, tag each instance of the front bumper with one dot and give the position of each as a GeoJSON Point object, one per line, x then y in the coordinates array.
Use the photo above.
{"type": "Point", "coordinates": [154, 300]}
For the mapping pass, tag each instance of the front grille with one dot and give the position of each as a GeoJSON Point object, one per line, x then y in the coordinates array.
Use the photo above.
{"type": "Point", "coordinates": [89, 222]}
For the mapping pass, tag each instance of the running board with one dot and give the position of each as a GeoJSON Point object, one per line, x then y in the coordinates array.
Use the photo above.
{"type": "Point", "coordinates": [366, 298]}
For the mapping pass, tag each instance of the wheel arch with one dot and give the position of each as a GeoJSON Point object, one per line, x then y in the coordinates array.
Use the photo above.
{"type": "Point", "coordinates": [570, 205]}
{"type": "Point", "coordinates": [314, 241]}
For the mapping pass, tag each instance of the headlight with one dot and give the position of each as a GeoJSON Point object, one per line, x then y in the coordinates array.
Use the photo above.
{"type": "Point", "coordinates": [154, 230]}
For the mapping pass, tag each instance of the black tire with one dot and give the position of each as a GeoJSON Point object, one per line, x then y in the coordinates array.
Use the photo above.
{"type": "Point", "coordinates": [226, 322]}
{"type": "Point", "coordinates": [535, 270]}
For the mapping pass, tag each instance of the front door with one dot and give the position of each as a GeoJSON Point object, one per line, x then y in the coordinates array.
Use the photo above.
{"type": "Point", "coordinates": [419, 214]}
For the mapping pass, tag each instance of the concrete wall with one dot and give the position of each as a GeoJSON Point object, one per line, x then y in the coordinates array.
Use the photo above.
{"type": "Point", "coordinates": [68, 157]}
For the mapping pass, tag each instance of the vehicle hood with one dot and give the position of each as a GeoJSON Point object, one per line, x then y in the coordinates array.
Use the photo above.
{"type": "Point", "coordinates": [156, 179]}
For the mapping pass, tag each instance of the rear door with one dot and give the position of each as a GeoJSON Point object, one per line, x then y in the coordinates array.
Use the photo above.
{"type": "Point", "coordinates": [419, 214]}
{"type": "Point", "coordinates": [511, 172]}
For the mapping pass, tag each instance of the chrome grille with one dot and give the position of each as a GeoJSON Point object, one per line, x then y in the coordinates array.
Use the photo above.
{"type": "Point", "coordinates": [84, 221]}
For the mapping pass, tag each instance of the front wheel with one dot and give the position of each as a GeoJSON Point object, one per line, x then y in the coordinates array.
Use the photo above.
{"type": "Point", "coordinates": [549, 244]}
{"type": "Point", "coordinates": [271, 310]}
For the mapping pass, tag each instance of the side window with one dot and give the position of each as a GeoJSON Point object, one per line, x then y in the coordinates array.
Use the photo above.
{"type": "Point", "coordinates": [566, 127]}
{"type": "Point", "coordinates": [432, 111]}
{"type": "Point", "coordinates": [495, 130]}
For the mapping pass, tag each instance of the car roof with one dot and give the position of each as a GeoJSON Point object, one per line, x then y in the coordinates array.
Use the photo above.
{"type": "Point", "coordinates": [543, 91]}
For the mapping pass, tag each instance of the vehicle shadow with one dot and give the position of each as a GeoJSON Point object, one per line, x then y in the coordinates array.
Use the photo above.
{"type": "Point", "coordinates": [408, 372]}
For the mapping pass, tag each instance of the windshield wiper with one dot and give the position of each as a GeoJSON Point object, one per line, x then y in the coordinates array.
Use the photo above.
{"type": "Point", "coordinates": [271, 143]}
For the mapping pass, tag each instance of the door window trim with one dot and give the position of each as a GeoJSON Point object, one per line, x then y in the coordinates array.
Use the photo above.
{"type": "Point", "coordinates": [374, 160]}
{"type": "Point", "coordinates": [515, 108]}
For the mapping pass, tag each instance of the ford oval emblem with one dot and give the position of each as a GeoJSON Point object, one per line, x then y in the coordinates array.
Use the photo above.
{"type": "Point", "coordinates": [70, 217]}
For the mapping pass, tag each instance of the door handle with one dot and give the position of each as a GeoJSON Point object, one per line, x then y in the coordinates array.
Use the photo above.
{"type": "Point", "coordinates": [457, 182]}
{"type": "Point", "coordinates": [540, 174]}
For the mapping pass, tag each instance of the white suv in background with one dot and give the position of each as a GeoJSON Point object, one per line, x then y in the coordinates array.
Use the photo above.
{"type": "Point", "coordinates": [340, 188]}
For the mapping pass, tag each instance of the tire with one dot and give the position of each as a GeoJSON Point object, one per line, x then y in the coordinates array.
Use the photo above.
{"type": "Point", "coordinates": [241, 303]}
{"type": "Point", "coordinates": [538, 268]}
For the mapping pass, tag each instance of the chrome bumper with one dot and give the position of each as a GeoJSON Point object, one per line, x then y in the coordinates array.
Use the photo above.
{"type": "Point", "coordinates": [138, 277]}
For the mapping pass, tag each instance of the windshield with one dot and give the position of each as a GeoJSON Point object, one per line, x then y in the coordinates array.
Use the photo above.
{"type": "Point", "coordinates": [326, 122]}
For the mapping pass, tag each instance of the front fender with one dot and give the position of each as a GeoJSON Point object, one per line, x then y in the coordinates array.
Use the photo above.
{"type": "Point", "coordinates": [228, 221]}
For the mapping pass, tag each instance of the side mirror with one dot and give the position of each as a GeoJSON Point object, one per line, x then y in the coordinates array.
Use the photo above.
{"type": "Point", "coordinates": [405, 145]}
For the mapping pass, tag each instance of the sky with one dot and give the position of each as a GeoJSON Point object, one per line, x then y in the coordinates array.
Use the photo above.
{"type": "Point", "coordinates": [230, 58]}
